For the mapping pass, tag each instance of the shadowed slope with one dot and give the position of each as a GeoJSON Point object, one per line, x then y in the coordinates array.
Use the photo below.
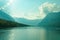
{"type": "Point", "coordinates": [52, 19]}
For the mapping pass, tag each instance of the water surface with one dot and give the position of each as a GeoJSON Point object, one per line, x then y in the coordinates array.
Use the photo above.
{"type": "Point", "coordinates": [30, 33]}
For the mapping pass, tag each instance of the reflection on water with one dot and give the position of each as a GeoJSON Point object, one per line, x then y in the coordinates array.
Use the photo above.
{"type": "Point", "coordinates": [29, 33]}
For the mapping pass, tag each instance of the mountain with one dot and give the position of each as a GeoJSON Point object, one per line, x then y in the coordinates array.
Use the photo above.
{"type": "Point", "coordinates": [6, 21]}
{"type": "Point", "coordinates": [52, 19]}
{"type": "Point", "coordinates": [5, 16]}
{"type": "Point", "coordinates": [10, 24]}
{"type": "Point", "coordinates": [26, 21]}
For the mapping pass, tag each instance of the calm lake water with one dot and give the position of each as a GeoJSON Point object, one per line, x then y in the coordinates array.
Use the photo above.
{"type": "Point", "coordinates": [30, 33]}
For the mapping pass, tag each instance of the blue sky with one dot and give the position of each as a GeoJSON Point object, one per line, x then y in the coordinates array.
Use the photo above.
{"type": "Point", "coordinates": [28, 9]}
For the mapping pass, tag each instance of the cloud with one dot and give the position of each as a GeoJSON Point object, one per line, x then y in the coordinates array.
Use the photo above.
{"type": "Point", "coordinates": [44, 9]}
{"type": "Point", "coordinates": [47, 7]}
{"type": "Point", "coordinates": [29, 16]}
{"type": "Point", "coordinates": [17, 14]}
{"type": "Point", "coordinates": [32, 16]}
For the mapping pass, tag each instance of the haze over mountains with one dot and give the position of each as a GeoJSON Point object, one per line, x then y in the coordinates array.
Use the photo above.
{"type": "Point", "coordinates": [26, 21]}
{"type": "Point", "coordinates": [52, 19]}
{"type": "Point", "coordinates": [5, 16]}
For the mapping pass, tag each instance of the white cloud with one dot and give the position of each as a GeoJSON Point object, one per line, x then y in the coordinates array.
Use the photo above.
{"type": "Point", "coordinates": [29, 16]}
{"type": "Point", "coordinates": [47, 7]}
{"type": "Point", "coordinates": [32, 16]}
{"type": "Point", "coordinates": [17, 14]}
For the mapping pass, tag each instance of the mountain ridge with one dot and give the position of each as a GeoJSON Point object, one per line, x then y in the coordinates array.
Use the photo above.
{"type": "Point", "coordinates": [5, 16]}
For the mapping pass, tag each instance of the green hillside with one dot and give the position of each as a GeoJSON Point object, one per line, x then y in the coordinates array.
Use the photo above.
{"type": "Point", "coordinates": [10, 24]}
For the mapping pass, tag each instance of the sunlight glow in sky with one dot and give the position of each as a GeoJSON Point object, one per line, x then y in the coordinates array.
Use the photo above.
{"type": "Point", "coordinates": [31, 9]}
{"type": "Point", "coordinates": [6, 4]}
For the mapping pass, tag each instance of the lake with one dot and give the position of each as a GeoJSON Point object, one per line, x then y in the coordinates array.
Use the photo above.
{"type": "Point", "coordinates": [30, 33]}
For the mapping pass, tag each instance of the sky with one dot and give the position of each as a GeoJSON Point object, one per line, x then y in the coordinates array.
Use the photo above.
{"type": "Point", "coordinates": [30, 9]}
